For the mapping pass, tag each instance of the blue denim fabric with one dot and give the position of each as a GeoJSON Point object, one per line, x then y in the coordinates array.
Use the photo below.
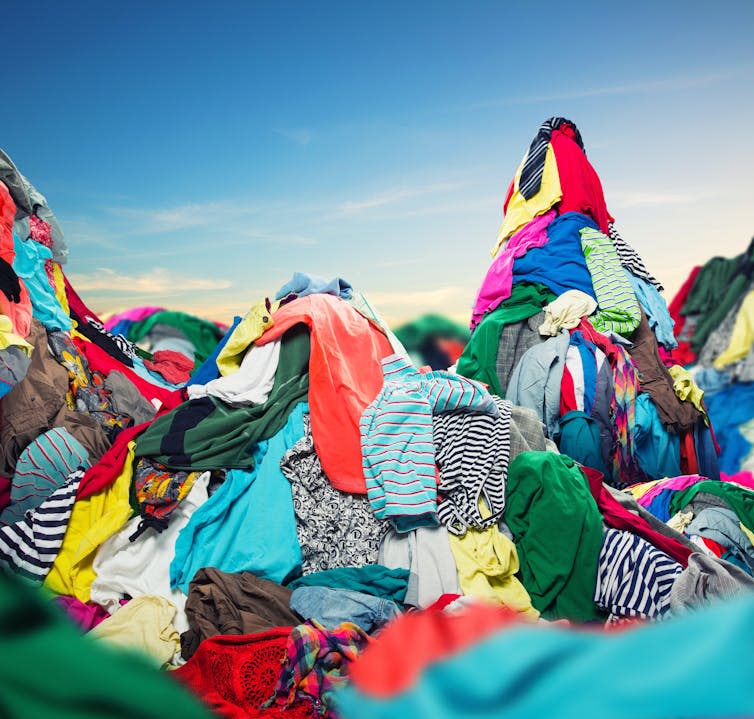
{"type": "Point", "coordinates": [331, 607]}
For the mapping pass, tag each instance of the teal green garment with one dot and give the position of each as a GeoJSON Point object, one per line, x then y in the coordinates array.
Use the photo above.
{"type": "Point", "coordinates": [692, 666]}
{"type": "Point", "coordinates": [49, 669]}
{"type": "Point", "coordinates": [479, 358]}
{"type": "Point", "coordinates": [725, 303]}
{"type": "Point", "coordinates": [557, 530]}
{"type": "Point", "coordinates": [739, 499]}
{"type": "Point", "coordinates": [206, 433]}
{"type": "Point", "coordinates": [414, 334]}
{"type": "Point", "coordinates": [709, 285]}
{"type": "Point", "coordinates": [204, 335]}
{"type": "Point", "coordinates": [371, 579]}
{"type": "Point", "coordinates": [580, 439]}
{"type": "Point", "coordinates": [248, 524]}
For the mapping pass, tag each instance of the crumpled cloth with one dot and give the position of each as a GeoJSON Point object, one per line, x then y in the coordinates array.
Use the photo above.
{"type": "Point", "coordinates": [173, 366]}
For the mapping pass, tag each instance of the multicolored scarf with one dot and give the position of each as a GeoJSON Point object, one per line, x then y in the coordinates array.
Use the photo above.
{"type": "Point", "coordinates": [316, 660]}
{"type": "Point", "coordinates": [623, 406]}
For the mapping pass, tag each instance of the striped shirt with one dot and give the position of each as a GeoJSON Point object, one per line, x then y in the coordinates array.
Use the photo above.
{"type": "Point", "coordinates": [630, 258]}
{"type": "Point", "coordinates": [617, 306]}
{"type": "Point", "coordinates": [634, 578]}
{"type": "Point", "coordinates": [472, 452]}
{"type": "Point", "coordinates": [31, 545]}
{"type": "Point", "coordinates": [398, 454]}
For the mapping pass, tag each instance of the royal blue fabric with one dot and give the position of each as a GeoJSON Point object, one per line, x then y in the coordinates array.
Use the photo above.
{"type": "Point", "coordinates": [208, 371]}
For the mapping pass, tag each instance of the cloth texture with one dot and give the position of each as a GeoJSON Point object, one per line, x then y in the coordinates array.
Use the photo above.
{"type": "Point", "coordinates": [333, 607]}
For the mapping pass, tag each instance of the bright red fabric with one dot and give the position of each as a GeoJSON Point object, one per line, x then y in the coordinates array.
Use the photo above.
{"type": "Point", "coordinates": [579, 183]}
{"type": "Point", "coordinates": [173, 366]}
{"type": "Point", "coordinates": [618, 517]}
{"type": "Point", "coordinates": [19, 312]}
{"type": "Point", "coordinates": [689, 464]}
{"type": "Point", "coordinates": [683, 354]}
{"type": "Point", "coordinates": [385, 667]}
{"type": "Point", "coordinates": [345, 375]}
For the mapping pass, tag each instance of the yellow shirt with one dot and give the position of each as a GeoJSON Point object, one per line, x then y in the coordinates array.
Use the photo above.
{"type": "Point", "coordinates": [742, 336]}
{"type": "Point", "coordinates": [639, 490]}
{"type": "Point", "coordinates": [93, 520]}
{"type": "Point", "coordinates": [686, 389]}
{"type": "Point", "coordinates": [9, 338]}
{"type": "Point", "coordinates": [522, 211]}
{"type": "Point", "coordinates": [487, 562]}
{"type": "Point", "coordinates": [249, 330]}
{"type": "Point", "coordinates": [59, 287]}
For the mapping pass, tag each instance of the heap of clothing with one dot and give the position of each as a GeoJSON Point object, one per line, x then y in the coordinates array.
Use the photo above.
{"type": "Point", "coordinates": [272, 526]}
{"type": "Point", "coordinates": [714, 326]}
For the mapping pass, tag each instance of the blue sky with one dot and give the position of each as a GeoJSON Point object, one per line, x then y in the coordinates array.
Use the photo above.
{"type": "Point", "coordinates": [197, 154]}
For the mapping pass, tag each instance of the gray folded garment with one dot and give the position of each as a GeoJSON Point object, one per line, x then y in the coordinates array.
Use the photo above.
{"type": "Point", "coordinates": [705, 580]}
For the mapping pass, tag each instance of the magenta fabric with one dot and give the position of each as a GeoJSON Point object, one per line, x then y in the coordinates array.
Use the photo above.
{"type": "Point", "coordinates": [685, 480]}
{"type": "Point", "coordinates": [135, 314]}
{"type": "Point", "coordinates": [497, 283]}
{"type": "Point", "coordinates": [87, 616]}
{"type": "Point", "coordinates": [744, 478]}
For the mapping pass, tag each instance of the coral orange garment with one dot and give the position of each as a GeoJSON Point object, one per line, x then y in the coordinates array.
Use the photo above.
{"type": "Point", "coordinates": [385, 667]}
{"type": "Point", "coordinates": [345, 375]}
{"type": "Point", "coordinates": [579, 183]}
{"type": "Point", "coordinates": [19, 312]}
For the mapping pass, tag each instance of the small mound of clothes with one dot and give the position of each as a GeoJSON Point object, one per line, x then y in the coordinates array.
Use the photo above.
{"type": "Point", "coordinates": [268, 526]}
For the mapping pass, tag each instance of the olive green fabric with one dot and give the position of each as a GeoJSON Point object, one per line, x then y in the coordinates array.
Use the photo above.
{"type": "Point", "coordinates": [479, 358]}
{"type": "Point", "coordinates": [557, 530]}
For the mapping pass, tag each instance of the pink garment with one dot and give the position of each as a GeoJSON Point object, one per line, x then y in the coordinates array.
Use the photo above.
{"type": "Point", "coordinates": [744, 478]}
{"type": "Point", "coordinates": [173, 366]}
{"type": "Point", "coordinates": [685, 480]}
{"type": "Point", "coordinates": [87, 616]}
{"type": "Point", "coordinates": [497, 283]}
{"type": "Point", "coordinates": [40, 231]}
{"type": "Point", "coordinates": [135, 314]}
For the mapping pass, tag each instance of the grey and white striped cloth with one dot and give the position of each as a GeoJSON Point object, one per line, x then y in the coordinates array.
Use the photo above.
{"type": "Point", "coordinates": [630, 258]}
{"type": "Point", "coordinates": [31, 545]}
{"type": "Point", "coordinates": [634, 578]}
{"type": "Point", "coordinates": [530, 179]}
{"type": "Point", "coordinates": [472, 451]}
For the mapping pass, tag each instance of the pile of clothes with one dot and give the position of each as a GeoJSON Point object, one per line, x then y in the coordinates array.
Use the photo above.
{"type": "Point", "coordinates": [271, 528]}
{"type": "Point", "coordinates": [714, 326]}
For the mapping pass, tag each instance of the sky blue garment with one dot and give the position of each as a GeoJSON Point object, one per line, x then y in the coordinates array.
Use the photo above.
{"type": "Point", "coordinates": [248, 524]}
{"type": "Point", "coordinates": [535, 381]}
{"type": "Point", "coordinates": [29, 265]}
{"type": "Point", "coordinates": [208, 371]}
{"type": "Point", "coordinates": [656, 309]}
{"type": "Point", "coordinates": [303, 284]}
{"type": "Point", "coordinates": [657, 450]}
{"type": "Point", "coordinates": [560, 263]}
{"type": "Point", "coordinates": [331, 607]}
{"type": "Point", "coordinates": [728, 409]}
{"type": "Point", "coordinates": [711, 380]}
{"type": "Point", "coordinates": [527, 671]}
{"type": "Point", "coordinates": [722, 525]}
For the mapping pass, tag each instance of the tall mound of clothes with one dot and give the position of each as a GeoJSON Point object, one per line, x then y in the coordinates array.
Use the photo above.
{"type": "Point", "coordinates": [714, 325]}
{"type": "Point", "coordinates": [310, 524]}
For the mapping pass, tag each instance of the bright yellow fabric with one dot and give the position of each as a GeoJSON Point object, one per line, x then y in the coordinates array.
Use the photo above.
{"type": "Point", "coordinates": [487, 562]}
{"type": "Point", "coordinates": [9, 338]}
{"type": "Point", "coordinates": [145, 624]}
{"type": "Point", "coordinates": [59, 287]}
{"type": "Point", "coordinates": [742, 337]}
{"type": "Point", "coordinates": [639, 490]}
{"type": "Point", "coordinates": [522, 211]}
{"type": "Point", "coordinates": [249, 330]}
{"type": "Point", "coordinates": [93, 520]}
{"type": "Point", "coordinates": [686, 389]}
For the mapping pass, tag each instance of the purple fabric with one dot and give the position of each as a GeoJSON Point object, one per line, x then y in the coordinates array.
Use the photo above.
{"type": "Point", "coordinates": [685, 480]}
{"type": "Point", "coordinates": [497, 283]}
{"type": "Point", "coordinates": [87, 616]}
{"type": "Point", "coordinates": [135, 314]}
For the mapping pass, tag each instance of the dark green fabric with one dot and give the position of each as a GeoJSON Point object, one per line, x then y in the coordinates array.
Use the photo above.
{"type": "Point", "coordinates": [580, 439]}
{"type": "Point", "coordinates": [557, 530]}
{"type": "Point", "coordinates": [371, 579]}
{"type": "Point", "coordinates": [49, 669]}
{"type": "Point", "coordinates": [710, 285]}
{"type": "Point", "coordinates": [479, 358]}
{"type": "Point", "coordinates": [224, 439]}
{"type": "Point", "coordinates": [204, 335]}
{"type": "Point", "coordinates": [739, 499]}
{"type": "Point", "coordinates": [727, 298]}
{"type": "Point", "coordinates": [414, 334]}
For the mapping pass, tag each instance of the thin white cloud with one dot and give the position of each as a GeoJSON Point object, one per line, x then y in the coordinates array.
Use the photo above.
{"type": "Point", "coordinates": [301, 136]}
{"type": "Point", "coordinates": [158, 281]}
{"type": "Point", "coordinates": [633, 88]}
{"type": "Point", "coordinates": [394, 195]}
{"type": "Point", "coordinates": [628, 199]}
